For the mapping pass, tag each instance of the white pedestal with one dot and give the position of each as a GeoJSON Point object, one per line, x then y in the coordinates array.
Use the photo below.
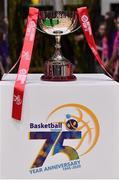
{"type": "Point", "coordinates": [88, 112]}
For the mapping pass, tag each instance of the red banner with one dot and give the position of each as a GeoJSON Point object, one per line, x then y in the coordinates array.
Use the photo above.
{"type": "Point", "coordinates": [24, 63]}
{"type": "Point", "coordinates": [86, 26]}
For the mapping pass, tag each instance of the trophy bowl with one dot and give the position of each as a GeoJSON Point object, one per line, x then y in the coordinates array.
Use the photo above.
{"type": "Point", "coordinates": [58, 23]}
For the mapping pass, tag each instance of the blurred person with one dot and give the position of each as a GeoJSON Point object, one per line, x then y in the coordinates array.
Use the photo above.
{"type": "Point", "coordinates": [2, 70]}
{"type": "Point", "coordinates": [80, 41]}
{"type": "Point", "coordinates": [4, 49]}
{"type": "Point", "coordinates": [110, 30]}
{"type": "Point", "coordinates": [109, 15]}
{"type": "Point", "coordinates": [84, 54]}
{"type": "Point", "coordinates": [79, 38]}
{"type": "Point", "coordinates": [102, 45]}
{"type": "Point", "coordinates": [102, 42]}
{"type": "Point", "coordinates": [115, 54]}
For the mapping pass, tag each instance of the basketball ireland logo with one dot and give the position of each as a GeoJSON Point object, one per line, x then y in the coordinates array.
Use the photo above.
{"type": "Point", "coordinates": [78, 133]}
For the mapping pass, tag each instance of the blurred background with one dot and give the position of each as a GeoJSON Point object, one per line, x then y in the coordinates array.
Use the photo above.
{"type": "Point", "coordinates": [105, 22]}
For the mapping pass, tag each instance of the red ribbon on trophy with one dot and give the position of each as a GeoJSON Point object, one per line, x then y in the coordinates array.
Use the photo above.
{"type": "Point", "coordinates": [86, 26]}
{"type": "Point", "coordinates": [27, 52]}
{"type": "Point", "coordinates": [24, 63]}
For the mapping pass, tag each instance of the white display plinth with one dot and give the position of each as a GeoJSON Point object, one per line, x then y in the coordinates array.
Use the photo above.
{"type": "Point", "coordinates": [60, 122]}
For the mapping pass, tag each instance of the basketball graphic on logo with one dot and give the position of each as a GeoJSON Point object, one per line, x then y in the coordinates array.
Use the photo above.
{"type": "Point", "coordinates": [76, 117]}
{"type": "Point", "coordinates": [71, 124]}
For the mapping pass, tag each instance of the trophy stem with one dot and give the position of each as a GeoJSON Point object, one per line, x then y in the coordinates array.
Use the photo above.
{"type": "Point", "coordinates": [58, 40]}
{"type": "Point", "coordinates": [58, 54]}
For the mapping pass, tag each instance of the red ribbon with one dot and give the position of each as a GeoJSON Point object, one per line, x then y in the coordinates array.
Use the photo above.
{"type": "Point", "coordinates": [86, 26]}
{"type": "Point", "coordinates": [24, 63]}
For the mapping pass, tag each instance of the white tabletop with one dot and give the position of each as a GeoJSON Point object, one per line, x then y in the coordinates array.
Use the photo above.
{"type": "Point", "coordinates": [82, 79]}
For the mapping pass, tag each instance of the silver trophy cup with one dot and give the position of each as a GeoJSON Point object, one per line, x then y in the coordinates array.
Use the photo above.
{"type": "Point", "coordinates": [58, 23]}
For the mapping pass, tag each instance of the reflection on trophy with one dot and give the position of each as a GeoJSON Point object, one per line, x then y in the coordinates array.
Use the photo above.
{"type": "Point", "coordinates": [58, 23]}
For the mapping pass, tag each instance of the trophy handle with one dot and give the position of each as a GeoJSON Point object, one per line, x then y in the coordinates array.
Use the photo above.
{"type": "Point", "coordinates": [40, 30]}
{"type": "Point", "coordinates": [75, 29]}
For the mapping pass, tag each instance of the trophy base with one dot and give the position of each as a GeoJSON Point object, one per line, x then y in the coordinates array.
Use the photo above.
{"type": "Point", "coordinates": [68, 78]}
